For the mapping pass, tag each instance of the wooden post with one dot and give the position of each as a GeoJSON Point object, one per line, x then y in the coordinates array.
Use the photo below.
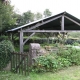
{"type": "Point", "coordinates": [16, 63]}
{"type": "Point", "coordinates": [25, 64]}
{"type": "Point", "coordinates": [21, 41]}
{"type": "Point", "coordinates": [28, 63]}
{"type": "Point", "coordinates": [19, 62]}
{"type": "Point", "coordinates": [62, 23]}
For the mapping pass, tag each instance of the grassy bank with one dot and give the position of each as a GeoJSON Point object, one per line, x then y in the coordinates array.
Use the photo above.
{"type": "Point", "coordinates": [71, 73]}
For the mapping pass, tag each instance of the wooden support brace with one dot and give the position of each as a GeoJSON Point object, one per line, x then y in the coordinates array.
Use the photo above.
{"type": "Point", "coordinates": [28, 38]}
{"type": "Point", "coordinates": [72, 20]}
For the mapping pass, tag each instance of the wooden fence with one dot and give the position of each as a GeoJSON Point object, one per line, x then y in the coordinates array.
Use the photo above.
{"type": "Point", "coordinates": [19, 63]}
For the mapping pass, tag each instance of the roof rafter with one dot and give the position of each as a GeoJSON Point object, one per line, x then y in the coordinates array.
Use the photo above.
{"type": "Point", "coordinates": [72, 20]}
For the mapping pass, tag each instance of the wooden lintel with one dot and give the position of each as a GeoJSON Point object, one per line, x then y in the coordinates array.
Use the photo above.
{"type": "Point", "coordinates": [48, 31]}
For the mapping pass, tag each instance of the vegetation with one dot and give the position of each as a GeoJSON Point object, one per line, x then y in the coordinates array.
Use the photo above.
{"type": "Point", "coordinates": [29, 16]}
{"type": "Point", "coordinates": [57, 61]}
{"type": "Point", "coordinates": [6, 48]}
{"type": "Point", "coordinates": [52, 62]}
{"type": "Point", "coordinates": [38, 16]}
{"type": "Point", "coordinates": [47, 13]}
{"type": "Point", "coordinates": [71, 73]}
{"type": "Point", "coordinates": [6, 17]}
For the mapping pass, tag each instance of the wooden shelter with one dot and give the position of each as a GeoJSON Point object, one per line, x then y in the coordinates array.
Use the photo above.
{"type": "Point", "coordinates": [63, 22]}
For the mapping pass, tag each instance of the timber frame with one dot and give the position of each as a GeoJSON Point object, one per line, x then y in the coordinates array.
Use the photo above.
{"type": "Point", "coordinates": [63, 22]}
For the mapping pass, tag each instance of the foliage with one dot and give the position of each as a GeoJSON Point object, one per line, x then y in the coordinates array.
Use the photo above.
{"type": "Point", "coordinates": [43, 63]}
{"type": "Point", "coordinates": [47, 13]}
{"type": "Point", "coordinates": [76, 43]}
{"type": "Point", "coordinates": [3, 37]}
{"type": "Point", "coordinates": [50, 63]}
{"type": "Point", "coordinates": [6, 48]}
{"type": "Point", "coordinates": [74, 34]}
{"type": "Point", "coordinates": [28, 17]}
{"type": "Point", "coordinates": [69, 41]}
{"type": "Point", "coordinates": [58, 60]}
{"type": "Point", "coordinates": [38, 16]}
{"type": "Point", "coordinates": [72, 54]}
{"type": "Point", "coordinates": [19, 19]}
{"type": "Point", "coordinates": [6, 17]}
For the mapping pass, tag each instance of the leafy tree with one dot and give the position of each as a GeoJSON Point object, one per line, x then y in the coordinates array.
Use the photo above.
{"type": "Point", "coordinates": [19, 19]}
{"type": "Point", "coordinates": [47, 13]}
{"type": "Point", "coordinates": [38, 16]}
{"type": "Point", "coordinates": [6, 17]}
{"type": "Point", "coordinates": [28, 17]}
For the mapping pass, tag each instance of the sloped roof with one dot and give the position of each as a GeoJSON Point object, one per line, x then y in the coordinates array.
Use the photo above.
{"type": "Point", "coordinates": [52, 23]}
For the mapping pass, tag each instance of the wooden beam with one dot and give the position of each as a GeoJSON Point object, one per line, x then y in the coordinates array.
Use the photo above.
{"type": "Point", "coordinates": [40, 24]}
{"type": "Point", "coordinates": [28, 38]}
{"type": "Point", "coordinates": [21, 41]}
{"type": "Point", "coordinates": [72, 20]}
{"type": "Point", "coordinates": [62, 23]}
{"type": "Point", "coordinates": [48, 31]}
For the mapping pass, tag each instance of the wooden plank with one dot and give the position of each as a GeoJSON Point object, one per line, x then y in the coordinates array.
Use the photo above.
{"type": "Point", "coordinates": [16, 61]}
{"type": "Point", "coordinates": [41, 31]}
{"type": "Point", "coordinates": [28, 63]}
{"type": "Point", "coordinates": [11, 61]}
{"type": "Point", "coordinates": [48, 31]}
{"type": "Point", "coordinates": [21, 64]}
{"type": "Point", "coordinates": [25, 64]}
{"type": "Point", "coordinates": [21, 54]}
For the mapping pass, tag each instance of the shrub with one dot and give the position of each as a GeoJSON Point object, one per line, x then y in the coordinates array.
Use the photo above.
{"type": "Point", "coordinates": [75, 56]}
{"type": "Point", "coordinates": [6, 48]}
{"type": "Point", "coordinates": [72, 54]}
{"type": "Point", "coordinates": [69, 41]}
{"type": "Point", "coordinates": [3, 37]}
{"type": "Point", "coordinates": [63, 62]}
{"type": "Point", "coordinates": [53, 62]}
{"type": "Point", "coordinates": [44, 63]}
{"type": "Point", "coordinates": [50, 63]}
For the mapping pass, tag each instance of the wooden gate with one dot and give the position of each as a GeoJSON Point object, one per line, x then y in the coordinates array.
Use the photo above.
{"type": "Point", "coordinates": [19, 63]}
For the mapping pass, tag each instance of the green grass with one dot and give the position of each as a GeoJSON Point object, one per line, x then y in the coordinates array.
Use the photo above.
{"type": "Point", "coordinates": [71, 73]}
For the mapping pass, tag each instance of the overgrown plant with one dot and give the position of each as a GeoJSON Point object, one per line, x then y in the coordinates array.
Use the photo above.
{"type": "Point", "coordinates": [50, 63]}
{"type": "Point", "coordinates": [72, 54]}
{"type": "Point", "coordinates": [6, 48]}
{"type": "Point", "coordinates": [44, 63]}
{"type": "Point", "coordinates": [63, 58]}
